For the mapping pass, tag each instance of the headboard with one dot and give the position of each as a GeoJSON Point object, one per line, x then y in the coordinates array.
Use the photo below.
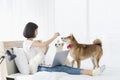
{"type": "Point", "coordinates": [11, 67]}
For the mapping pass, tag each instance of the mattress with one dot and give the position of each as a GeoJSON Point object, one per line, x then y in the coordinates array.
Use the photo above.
{"type": "Point", "coordinates": [108, 74]}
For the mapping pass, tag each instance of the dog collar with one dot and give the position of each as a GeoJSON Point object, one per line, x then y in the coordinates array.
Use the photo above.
{"type": "Point", "coordinates": [69, 46]}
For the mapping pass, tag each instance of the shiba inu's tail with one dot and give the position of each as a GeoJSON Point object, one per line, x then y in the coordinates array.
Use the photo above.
{"type": "Point", "coordinates": [97, 42]}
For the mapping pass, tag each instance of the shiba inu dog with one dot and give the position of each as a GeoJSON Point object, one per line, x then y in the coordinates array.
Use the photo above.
{"type": "Point", "coordinates": [80, 51]}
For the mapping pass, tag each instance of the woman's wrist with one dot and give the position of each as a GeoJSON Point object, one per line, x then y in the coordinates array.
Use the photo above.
{"type": "Point", "coordinates": [54, 37]}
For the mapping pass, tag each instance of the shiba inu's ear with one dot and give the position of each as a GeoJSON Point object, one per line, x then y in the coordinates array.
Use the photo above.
{"type": "Point", "coordinates": [71, 34]}
{"type": "Point", "coordinates": [72, 37]}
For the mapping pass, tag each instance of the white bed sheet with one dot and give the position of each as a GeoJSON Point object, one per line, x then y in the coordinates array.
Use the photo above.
{"type": "Point", "coordinates": [109, 74]}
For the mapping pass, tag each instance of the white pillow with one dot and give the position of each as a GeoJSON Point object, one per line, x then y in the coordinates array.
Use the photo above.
{"type": "Point", "coordinates": [21, 61]}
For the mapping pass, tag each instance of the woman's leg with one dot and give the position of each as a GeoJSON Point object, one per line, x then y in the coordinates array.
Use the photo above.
{"type": "Point", "coordinates": [74, 71]}
{"type": "Point", "coordinates": [62, 68]}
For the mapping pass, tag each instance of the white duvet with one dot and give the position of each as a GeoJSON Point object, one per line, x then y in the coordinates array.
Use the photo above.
{"type": "Point", "coordinates": [109, 74]}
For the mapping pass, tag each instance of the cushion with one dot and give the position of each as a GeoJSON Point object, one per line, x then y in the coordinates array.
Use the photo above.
{"type": "Point", "coordinates": [21, 61]}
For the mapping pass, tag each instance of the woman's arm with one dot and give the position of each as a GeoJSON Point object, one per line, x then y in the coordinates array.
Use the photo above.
{"type": "Point", "coordinates": [45, 43]}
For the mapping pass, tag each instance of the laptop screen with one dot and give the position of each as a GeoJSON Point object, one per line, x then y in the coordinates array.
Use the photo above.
{"type": "Point", "coordinates": [60, 58]}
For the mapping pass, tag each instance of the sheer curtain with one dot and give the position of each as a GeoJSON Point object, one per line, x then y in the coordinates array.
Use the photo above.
{"type": "Point", "coordinates": [14, 14]}
{"type": "Point", "coordinates": [71, 17]}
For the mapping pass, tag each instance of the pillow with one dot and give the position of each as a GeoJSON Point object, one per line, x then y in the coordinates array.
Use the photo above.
{"type": "Point", "coordinates": [21, 61]}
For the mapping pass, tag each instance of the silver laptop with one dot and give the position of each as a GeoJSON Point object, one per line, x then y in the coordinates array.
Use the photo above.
{"type": "Point", "coordinates": [60, 58]}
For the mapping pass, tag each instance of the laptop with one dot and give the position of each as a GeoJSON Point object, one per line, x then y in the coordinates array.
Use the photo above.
{"type": "Point", "coordinates": [59, 58]}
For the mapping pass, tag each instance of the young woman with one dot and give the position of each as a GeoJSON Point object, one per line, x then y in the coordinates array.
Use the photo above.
{"type": "Point", "coordinates": [30, 32]}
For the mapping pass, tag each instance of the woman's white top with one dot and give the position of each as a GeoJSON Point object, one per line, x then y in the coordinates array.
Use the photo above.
{"type": "Point", "coordinates": [32, 52]}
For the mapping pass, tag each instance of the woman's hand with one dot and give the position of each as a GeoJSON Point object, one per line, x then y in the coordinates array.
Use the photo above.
{"type": "Point", "coordinates": [56, 34]}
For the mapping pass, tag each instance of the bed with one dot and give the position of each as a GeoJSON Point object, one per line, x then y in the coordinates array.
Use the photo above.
{"type": "Point", "coordinates": [12, 72]}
